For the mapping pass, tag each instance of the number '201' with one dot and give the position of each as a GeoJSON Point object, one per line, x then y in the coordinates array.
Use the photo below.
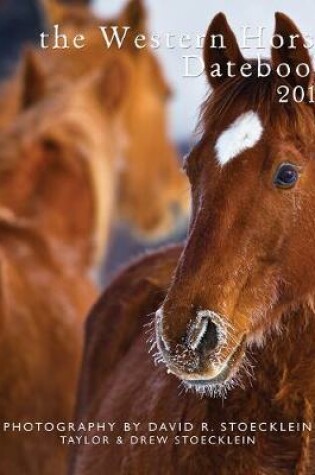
{"type": "Point", "coordinates": [298, 94]}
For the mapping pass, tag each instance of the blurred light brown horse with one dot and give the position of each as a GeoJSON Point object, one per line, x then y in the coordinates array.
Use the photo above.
{"type": "Point", "coordinates": [51, 226]}
{"type": "Point", "coordinates": [60, 176]}
{"type": "Point", "coordinates": [151, 191]}
{"type": "Point", "coordinates": [233, 310]}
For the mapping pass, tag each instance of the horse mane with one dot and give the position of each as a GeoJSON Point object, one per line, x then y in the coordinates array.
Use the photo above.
{"type": "Point", "coordinates": [260, 94]}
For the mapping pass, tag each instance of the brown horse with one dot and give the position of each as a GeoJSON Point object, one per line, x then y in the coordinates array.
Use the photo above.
{"type": "Point", "coordinates": [148, 170]}
{"type": "Point", "coordinates": [234, 309]}
{"type": "Point", "coordinates": [51, 226]}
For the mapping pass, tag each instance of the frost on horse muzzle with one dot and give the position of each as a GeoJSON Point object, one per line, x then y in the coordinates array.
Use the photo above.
{"type": "Point", "coordinates": [209, 355]}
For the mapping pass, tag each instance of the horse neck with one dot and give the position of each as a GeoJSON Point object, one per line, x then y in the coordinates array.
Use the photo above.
{"type": "Point", "coordinates": [42, 309]}
{"type": "Point", "coordinates": [22, 250]}
{"type": "Point", "coordinates": [69, 243]}
{"type": "Point", "coordinates": [73, 248]}
{"type": "Point", "coordinates": [21, 241]}
{"type": "Point", "coordinates": [30, 267]}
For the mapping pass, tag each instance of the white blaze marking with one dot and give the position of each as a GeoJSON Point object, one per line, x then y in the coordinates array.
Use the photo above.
{"type": "Point", "coordinates": [241, 135]}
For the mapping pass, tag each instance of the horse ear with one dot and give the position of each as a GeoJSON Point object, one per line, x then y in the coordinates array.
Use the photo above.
{"type": "Point", "coordinates": [285, 28]}
{"type": "Point", "coordinates": [55, 12]}
{"type": "Point", "coordinates": [33, 80]}
{"type": "Point", "coordinates": [220, 48]}
{"type": "Point", "coordinates": [114, 83]}
{"type": "Point", "coordinates": [135, 16]}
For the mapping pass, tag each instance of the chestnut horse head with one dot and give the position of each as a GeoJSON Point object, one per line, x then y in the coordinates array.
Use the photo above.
{"type": "Point", "coordinates": [58, 160]}
{"type": "Point", "coordinates": [152, 191]}
{"type": "Point", "coordinates": [250, 251]}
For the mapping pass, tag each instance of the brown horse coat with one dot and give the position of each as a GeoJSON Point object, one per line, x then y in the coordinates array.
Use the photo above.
{"type": "Point", "coordinates": [43, 306]}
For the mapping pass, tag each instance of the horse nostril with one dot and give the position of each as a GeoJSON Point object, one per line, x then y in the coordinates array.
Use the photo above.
{"type": "Point", "coordinates": [210, 339]}
{"type": "Point", "coordinates": [203, 335]}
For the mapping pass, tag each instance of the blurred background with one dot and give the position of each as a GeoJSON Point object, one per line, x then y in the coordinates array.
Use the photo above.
{"type": "Point", "coordinates": [21, 21]}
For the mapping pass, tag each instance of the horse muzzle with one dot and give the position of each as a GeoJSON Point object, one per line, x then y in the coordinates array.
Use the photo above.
{"type": "Point", "coordinates": [209, 354]}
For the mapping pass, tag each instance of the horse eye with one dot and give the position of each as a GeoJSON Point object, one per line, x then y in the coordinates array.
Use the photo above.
{"type": "Point", "coordinates": [286, 176]}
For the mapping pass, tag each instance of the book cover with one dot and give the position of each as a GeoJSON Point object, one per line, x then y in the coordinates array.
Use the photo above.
{"type": "Point", "coordinates": [157, 238]}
